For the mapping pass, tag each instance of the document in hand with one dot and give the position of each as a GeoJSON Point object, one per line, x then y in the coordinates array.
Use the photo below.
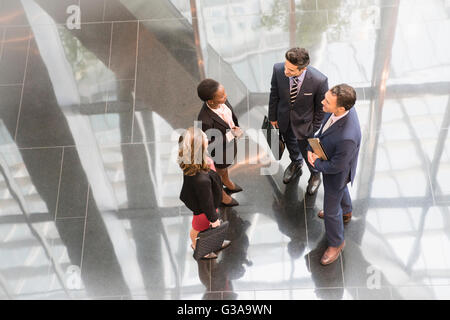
{"type": "Point", "coordinates": [317, 148]}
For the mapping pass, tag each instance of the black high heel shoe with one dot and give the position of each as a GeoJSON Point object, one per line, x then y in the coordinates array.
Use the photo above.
{"type": "Point", "coordinates": [233, 203]}
{"type": "Point", "coordinates": [235, 190]}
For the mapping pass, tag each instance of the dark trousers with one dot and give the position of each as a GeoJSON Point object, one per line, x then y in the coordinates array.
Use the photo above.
{"type": "Point", "coordinates": [297, 148]}
{"type": "Point", "coordinates": [335, 204]}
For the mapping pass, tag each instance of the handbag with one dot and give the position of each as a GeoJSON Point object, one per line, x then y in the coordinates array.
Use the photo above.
{"type": "Point", "coordinates": [210, 240]}
{"type": "Point", "coordinates": [268, 128]}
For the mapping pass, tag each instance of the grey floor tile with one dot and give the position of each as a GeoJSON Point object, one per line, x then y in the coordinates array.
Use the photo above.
{"type": "Point", "coordinates": [73, 186]}
{"type": "Point", "coordinates": [123, 49]}
{"type": "Point", "coordinates": [14, 12]}
{"type": "Point", "coordinates": [14, 54]}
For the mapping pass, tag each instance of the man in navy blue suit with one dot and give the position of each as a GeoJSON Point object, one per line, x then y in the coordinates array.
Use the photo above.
{"type": "Point", "coordinates": [340, 136]}
{"type": "Point", "coordinates": [296, 92]}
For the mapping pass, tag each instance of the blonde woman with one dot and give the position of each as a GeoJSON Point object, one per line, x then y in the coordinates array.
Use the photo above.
{"type": "Point", "coordinates": [202, 186]}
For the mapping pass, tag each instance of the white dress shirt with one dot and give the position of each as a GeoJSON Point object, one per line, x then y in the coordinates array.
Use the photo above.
{"type": "Point", "coordinates": [332, 120]}
{"type": "Point", "coordinates": [225, 114]}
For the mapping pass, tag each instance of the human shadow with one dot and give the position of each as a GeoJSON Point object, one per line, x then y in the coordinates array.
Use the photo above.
{"type": "Point", "coordinates": [218, 275]}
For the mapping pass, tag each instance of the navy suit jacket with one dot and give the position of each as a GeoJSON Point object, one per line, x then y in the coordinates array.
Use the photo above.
{"type": "Point", "coordinates": [341, 143]}
{"type": "Point", "coordinates": [306, 114]}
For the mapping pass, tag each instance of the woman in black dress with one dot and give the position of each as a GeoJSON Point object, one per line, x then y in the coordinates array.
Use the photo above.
{"type": "Point", "coordinates": [202, 186]}
{"type": "Point", "coordinates": [217, 113]}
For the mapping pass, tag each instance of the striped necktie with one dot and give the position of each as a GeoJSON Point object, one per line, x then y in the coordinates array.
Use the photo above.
{"type": "Point", "coordinates": [293, 93]}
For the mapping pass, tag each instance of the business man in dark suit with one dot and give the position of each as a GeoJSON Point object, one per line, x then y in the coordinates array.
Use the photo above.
{"type": "Point", "coordinates": [340, 136]}
{"type": "Point", "coordinates": [296, 92]}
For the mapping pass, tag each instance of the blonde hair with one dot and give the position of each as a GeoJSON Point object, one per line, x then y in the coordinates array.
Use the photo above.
{"type": "Point", "coordinates": [193, 151]}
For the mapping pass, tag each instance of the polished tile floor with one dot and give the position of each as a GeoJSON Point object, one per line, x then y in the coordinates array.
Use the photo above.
{"type": "Point", "coordinates": [91, 109]}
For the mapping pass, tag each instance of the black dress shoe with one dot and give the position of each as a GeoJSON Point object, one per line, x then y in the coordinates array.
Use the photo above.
{"type": "Point", "coordinates": [233, 203]}
{"type": "Point", "coordinates": [313, 183]}
{"type": "Point", "coordinates": [236, 189]}
{"type": "Point", "coordinates": [292, 171]}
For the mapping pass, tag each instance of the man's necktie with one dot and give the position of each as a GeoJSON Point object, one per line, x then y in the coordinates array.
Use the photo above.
{"type": "Point", "coordinates": [327, 125]}
{"type": "Point", "coordinates": [294, 90]}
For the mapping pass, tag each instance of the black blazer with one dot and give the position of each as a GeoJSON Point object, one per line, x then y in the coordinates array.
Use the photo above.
{"type": "Point", "coordinates": [210, 120]}
{"type": "Point", "coordinates": [202, 193]}
{"type": "Point", "coordinates": [306, 114]}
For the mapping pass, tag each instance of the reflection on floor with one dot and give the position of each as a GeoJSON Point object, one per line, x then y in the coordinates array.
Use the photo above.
{"type": "Point", "coordinates": [89, 119]}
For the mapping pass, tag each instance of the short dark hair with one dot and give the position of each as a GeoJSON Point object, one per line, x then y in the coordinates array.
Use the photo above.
{"type": "Point", "coordinates": [346, 95]}
{"type": "Point", "coordinates": [298, 57]}
{"type": "Point", "coordinates": [207, 88]}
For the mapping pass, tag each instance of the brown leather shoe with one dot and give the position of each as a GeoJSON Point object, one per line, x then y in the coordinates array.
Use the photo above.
{"type": "Point", "coordinates": [346, 217]}
{"type": "Point", "coordinates": [331, 254]}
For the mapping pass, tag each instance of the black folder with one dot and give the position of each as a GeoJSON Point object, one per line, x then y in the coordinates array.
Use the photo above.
{"type": "Point", "coordinates": [210, 240]}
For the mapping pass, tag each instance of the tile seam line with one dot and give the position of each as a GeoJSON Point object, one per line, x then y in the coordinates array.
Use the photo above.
{"type": "Point", "coordinates": [70, 218]}
{"type": "Point", "coordinates": [305, 210]}
{"type": "Point", "coordinates": [109, 59]}
{"type": "Point", "coordinates": [93, 22]}
{"type": "Point", "coordinates": [59, 184]}
{"type": "Point", "coordinates": [104, 10]}
{"type": "Point", "coordinates": [19, 84]}
{"type": "Point", "coordinates": [101, 145]}
{"type": "Point", "coordinates": [23, 87]}
{"type": "Point", "coordinates": [2, 45]}
{"type": "Point", "coordinates": [84, 229]}
{"type": "Point", "coordinates": [135, 81]}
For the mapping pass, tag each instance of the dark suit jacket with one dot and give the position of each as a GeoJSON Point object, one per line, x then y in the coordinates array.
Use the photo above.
{"type": "Point", "coordinates": [306, 114]}
{"type": "Point", "coordinates": [210, 120]}
{"type": "Point", "coordinates": [202, 193]}
{"type": "Point", "coordinates": [341, 143]}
